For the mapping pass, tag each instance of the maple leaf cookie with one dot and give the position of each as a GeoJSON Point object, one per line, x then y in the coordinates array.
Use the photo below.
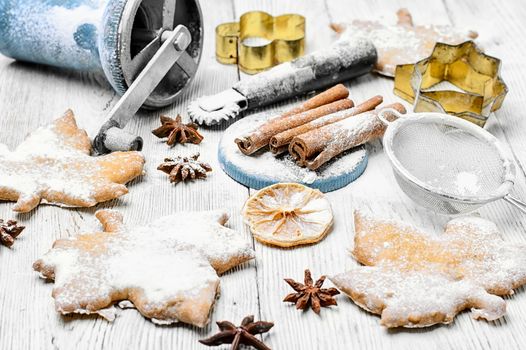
{"type": "Point", "coordinates": [417, 280]}
{"type": "Point", "coordinates": [53, 165]}
{"type": "Point", "coordinates": [404, 42]}
{"type": "Point", "coordinates": [168, 269]}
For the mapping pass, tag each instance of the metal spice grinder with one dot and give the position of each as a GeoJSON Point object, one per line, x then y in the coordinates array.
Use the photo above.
{"type": "Point", "coordinates": [147, 49]}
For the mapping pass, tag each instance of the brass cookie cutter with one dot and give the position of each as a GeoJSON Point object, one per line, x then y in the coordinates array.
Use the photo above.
{"type": "Point", "coordinates": [260, 41]}
{"type": "Point", "coordinates": [477, 87]}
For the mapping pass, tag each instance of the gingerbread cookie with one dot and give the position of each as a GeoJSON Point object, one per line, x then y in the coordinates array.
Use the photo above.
{"type": "Point", "coordinates": [404, 42]}
{"type": "Point", "coordinates": [53, 165]}
{"type": "Point", "coordinates": [417, 280]}
{"type": "Point", "coordinates": [167, 269]}
{"type": "Point", "coordinates": [288, 214]}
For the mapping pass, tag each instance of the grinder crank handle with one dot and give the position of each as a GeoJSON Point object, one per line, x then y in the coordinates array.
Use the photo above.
{"type": "Point", "coordinates": [344, 60]}
{"type": "Point", "coordinates": [111, 137]}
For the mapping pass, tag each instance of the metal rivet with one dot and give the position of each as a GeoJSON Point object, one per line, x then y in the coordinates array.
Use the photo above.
{"type": "Point", "coordinates": [181, 42]}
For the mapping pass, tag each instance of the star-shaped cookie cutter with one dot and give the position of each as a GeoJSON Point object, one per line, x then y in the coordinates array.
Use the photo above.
{"type": "Point", "coordinates": [260, 41]}
{"type": "Point", "coordinates": [456, 79]}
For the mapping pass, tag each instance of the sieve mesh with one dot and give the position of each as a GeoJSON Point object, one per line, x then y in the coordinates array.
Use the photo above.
{"type": "Point", "coordinates": [448, 159]}
{"type": "Point", "coordinates": [447, 165]}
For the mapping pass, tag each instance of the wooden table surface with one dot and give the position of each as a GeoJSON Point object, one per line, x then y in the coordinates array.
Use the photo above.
{"type": "Point", "coordinates": [31, 95]}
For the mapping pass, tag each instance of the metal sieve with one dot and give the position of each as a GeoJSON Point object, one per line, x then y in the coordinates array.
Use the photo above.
{"type": "Point", "coordinates": [447, 164]}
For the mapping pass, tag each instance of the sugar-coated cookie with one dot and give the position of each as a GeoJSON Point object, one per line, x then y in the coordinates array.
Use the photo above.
{"type": "Point", "coordinates": [416, 280]}
{"type": "Point", "coordinates": [54, 165]}
{"type": "Point", "coordinates": [168, 269]}
{"type": "Point", "coordinates": [402, 43]}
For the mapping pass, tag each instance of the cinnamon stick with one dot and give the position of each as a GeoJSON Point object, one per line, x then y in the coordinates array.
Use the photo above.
{"type": "Point", "coordinates": [248, 144]}
{"type": "Point", "coordinates": [318, 146]}
{"type": "Point", "coordinates": [279, 142]}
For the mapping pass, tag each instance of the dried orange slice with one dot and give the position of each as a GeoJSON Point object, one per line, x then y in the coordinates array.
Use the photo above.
{"type": "Point", "coordinates": [288, 214]}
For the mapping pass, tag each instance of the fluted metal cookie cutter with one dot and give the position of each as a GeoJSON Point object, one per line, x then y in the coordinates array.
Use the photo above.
{"type": "Point", "coordinates": [260, 41]}
{"type": "Point", "coordinates": [473, 87]}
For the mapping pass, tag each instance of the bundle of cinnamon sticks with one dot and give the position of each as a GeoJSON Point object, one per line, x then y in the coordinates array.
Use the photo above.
{"type": "Point", "coordinates": [320, 129]}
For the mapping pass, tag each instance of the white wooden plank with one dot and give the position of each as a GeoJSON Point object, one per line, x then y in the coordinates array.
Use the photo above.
{"type": "Point", "coordinates": [31, 95]}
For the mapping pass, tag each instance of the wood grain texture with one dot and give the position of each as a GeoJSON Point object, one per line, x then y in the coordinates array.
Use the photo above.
{"type": "Point", "coordinates": [32, 95]}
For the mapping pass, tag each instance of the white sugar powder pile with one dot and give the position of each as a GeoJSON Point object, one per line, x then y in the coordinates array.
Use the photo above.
{"type": "Point", "coordinates": [467, 183]}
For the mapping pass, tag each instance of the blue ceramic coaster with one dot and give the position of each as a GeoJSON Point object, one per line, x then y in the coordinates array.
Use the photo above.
{"type": "Point", "coordinates": [264, 169]}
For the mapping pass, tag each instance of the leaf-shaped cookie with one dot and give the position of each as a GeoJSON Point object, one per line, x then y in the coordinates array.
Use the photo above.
{"type": "Point", "coordinates": [416, 280]}
{"type": "Point", "coordinates": [167, 269]}
{"type": "Point", "coordinates": [54, 165]}
{"type": "Point", "coordinates": [404, 42]}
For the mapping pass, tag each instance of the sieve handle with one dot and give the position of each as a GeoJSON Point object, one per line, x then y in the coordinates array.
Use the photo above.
{"type": "Point", "coordinates": [516, 203]}
{"type": "Point", "coordinates": [382, 115]}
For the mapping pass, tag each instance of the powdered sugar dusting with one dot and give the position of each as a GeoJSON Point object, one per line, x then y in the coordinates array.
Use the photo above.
{"type": "Point", "coordinates": [401, 44]}
{"type": "Point", "coordinates": [415, 280]}
{"type": "Point", "coordinates": [20, 171]}
{"type": "Point", "coordinates": [316, 123]}
{"type": "Point", "coordinates": [53, 165]}
{"type": "Point", "coordinates": [285, 80]}
{"type": "Point", "coordinates": [340, 136]}
{"type": "Point", "coordinates": [282, 168]}
{"type": "Point", "coordinates": [205, 232]}
{"type": "Point", "coordinates": [467, 183]}
{"type": "Point", "coordinates": [165, 268]}
{"type": "Point", "coordinates": [347, 130]}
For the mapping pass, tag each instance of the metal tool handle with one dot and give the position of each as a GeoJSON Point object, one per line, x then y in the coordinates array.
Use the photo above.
{"type": "Point", "coordinates": [342, 61]}
{"type": "Point", "coordinates": [517, 203]}
{"type": "Point", "coordinates": [173, 48]}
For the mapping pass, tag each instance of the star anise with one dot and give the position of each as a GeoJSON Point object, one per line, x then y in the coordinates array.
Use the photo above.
{"type": "Point", "coordinates": [244, 334]}
{"type": "Point", "coordinates": [9, 231]}
{"type": "Point", "coordinates": [177, 131]}
{"type": "Point", "coordinates": [311, 294]}
{"type": "Point", "coordinates": [183, 168]}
